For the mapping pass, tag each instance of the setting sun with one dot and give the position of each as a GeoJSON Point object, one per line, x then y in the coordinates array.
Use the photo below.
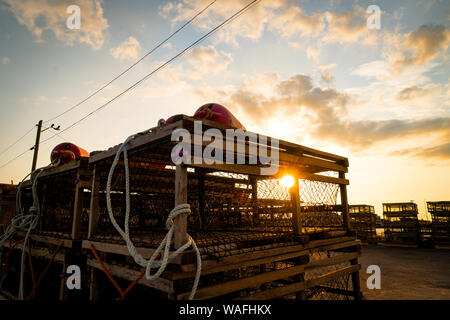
{"type": "Point", "coordinates": [287, 181]}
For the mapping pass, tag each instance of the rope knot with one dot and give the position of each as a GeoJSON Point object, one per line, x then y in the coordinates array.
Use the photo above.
{"type": "Point", "coordinates": [180, 209]}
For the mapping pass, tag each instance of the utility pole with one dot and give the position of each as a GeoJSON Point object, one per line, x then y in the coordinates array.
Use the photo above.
{"type": "Point", "coordinates": [38, 139]}
{"type": "Point", "coordinates": [36, 145]}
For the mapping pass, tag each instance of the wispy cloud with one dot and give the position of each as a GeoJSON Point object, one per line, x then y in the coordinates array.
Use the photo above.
{"type": "Point", "coordinates": [42, 15]}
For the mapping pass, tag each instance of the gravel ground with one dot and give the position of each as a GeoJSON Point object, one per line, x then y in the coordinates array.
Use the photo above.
{"type": "Point", "coordinates": [407, 273]}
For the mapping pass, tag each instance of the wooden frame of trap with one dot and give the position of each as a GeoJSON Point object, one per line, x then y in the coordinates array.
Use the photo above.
{"type": "Point", "coordinates": [290, 256]}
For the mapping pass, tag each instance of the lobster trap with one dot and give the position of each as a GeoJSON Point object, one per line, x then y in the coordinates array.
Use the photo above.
{"type": "Point", "coordinates": [363, 221]}
{"type": "Point", "coordinates": [401, 225]}
{"type": "Point", "coordinates": [63, 197]}
{"type": "Point", "coordinates": [440, 225]}
{"type": "Point", "coordinates": [241, 211]}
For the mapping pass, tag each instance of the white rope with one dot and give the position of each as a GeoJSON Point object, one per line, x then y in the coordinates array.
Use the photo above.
{"type": "Point", "coordinates": [165, 243]}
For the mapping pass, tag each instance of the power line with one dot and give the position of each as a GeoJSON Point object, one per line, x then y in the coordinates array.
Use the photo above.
{"type": "Point", "coordinates": [134, 64]}
{"type": "Point", "coordinates": [14, 143]}
{"type": "Point", "coordinates": [215, 29]}
{"type": "Point", "coordinates": [15, 158]}
{"type": "Point", "coordinates": [110, 82]}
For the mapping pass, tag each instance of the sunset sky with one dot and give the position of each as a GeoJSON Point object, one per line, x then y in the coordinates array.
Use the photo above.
{"type": "Point", "coordinates": [309, 72]}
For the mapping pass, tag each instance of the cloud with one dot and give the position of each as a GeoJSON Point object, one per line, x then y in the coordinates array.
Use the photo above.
{"type": "Point", "coordinates": [6, 60]}
{"type": "Point", "coordinates": [294, 21]}
{"type": "Point", "coordinates": [323, 114]}
{"type": "Point", "coordinates": [39, 16]}
{"type": "Point", "coordinates": [441, 151]}
{"type": "Point", "coordinates": [206, 60]}
{"type": "Point", "coordinates": [410, 93]}
{"type": "Point", "coordinates": [327, 77]}
{"type": "Point", "coordinates": [312, 53]}
{"type": "Point", "coordinates": [417, 47]}
{"type": "Point", "coordinates": [326, 67]}
{"type": "Point", "coordinates": [249, 25]}
{"type": "Point", "coordinates": [349, 27]}
{"type": "Point", "coordinates": [365, 133]}
{"type": "Point", "coordinates": [127, 50]}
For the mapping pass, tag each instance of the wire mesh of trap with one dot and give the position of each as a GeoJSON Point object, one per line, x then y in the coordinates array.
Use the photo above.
{"type": "Point", "coordinates": [338, 288]}
{"type": "Point", "coordinates": [231, 213]}
{"type": "Point", "coordinates": [56, 201]}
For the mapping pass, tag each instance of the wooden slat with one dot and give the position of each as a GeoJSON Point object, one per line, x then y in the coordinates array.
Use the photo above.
{"type": "Point", "coordinates": [130, 275]}
{"type": "Point", "coordinates": [249, 259]}
{"type": "Point", "coordinates": [141, 140]}
{"type": "Point", "coordinates": [240, 284]}
{"type": "Point", "coordinates": [293, 288]}
{"type": "Point", "coordinates": [95, 198]}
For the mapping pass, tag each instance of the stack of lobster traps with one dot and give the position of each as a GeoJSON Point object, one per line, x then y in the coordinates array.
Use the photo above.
{"type": "Point", "coordinates": [271, 223]}
{"type": "Point", "coordinates": [401, 224]}
{"type": "Point", "coordinates": [258, 237]}
{"type": "Point", "coordinates": [363, 221]}
{"type": "Point", "coordinates": [440, 225]}
{"type": "Point", "coordinates": [63, 194]}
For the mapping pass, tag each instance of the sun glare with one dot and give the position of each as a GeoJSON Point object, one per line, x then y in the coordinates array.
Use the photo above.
{"type": "Point", "coordinates": [287, 181]}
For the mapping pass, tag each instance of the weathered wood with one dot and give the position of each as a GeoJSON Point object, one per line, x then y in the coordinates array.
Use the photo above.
{"type": "Point", "coordinates": [240, 284]}
{"type": "Point", "coordinates": [95, 197]}
{"type": "Point", "coordinates": [93, 284]}
{"type": "Point", "coordinates": [296, 210]}
{"type": "Point", "coordinates": [116, 248]}
{"type": "Point", "coordinates": [154, 136]}
{"type": "Point", "coordinates": [160, 284]}
{"type": "Point", "coordinates": [260, 257]}
{"type": "Point", "coordinates": [296, 287]}
{"type": "Point", "coordinates": [180, 223]}
{"type": "Point", "coordinates": [77, 211]}
{"type": "Point", "coordinates": [344, 203]}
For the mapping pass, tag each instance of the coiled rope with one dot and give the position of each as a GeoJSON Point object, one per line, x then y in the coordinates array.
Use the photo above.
{"type": "Point", "coordinates": [165, 243]}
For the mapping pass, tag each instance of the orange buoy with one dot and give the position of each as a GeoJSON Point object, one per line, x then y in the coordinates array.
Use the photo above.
{"type": "Point", "coordinates": [67, 152]}
{"type": "Point", "coordinates": [218, 113]}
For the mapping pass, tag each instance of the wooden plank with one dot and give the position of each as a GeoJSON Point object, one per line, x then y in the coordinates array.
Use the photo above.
{"type": "Point", "coordinates": [93, 284]}
{"type": "Point", "coordinates": [320, 178]}
{"type": "Point", "coordinates": [95, 197]}
{"type": "Point", "coordinates": [47, 239]}
{"type": "Point", "coordinates": [160, 284]}
{"type": "Point", "coordinates": [180, 223]}
{"type": "Point", "coordinates": [344, 203]}
{"type": "Point", "coordinates": [282, 143]}
{"type": "Point", "coordinates": [293, 288]}
{"type": "Point", "coordinates": [260, 257]}
{"type": "Point", "coordinates": [296, 210]}
{"type": "Point", "coordinates": [77, 211]}
{"type": "Point", "coordinates": [116, 248]}
{"type": "Point", "coordinates": [41, 253]}
{"type": "Point", "coordinates": [240, 284]}
{"type": "Point", "coordinates": [146, 138]}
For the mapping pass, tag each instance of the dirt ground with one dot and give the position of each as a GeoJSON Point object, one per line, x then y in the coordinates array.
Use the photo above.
{"type": "Point", "coordinates": [407, 273]}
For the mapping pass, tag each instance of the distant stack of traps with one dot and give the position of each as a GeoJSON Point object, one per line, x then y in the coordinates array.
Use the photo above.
{"type": "Point", "coordinates": [363, 222]}
{"type": "Point", "coordinates": [440, 216]}
{"type": "Point", "coordinates": [262, 234]}
{"type": "Point", "coordinates": [55, 243]}
{"type": "Point", "coordinates": [401, 224]}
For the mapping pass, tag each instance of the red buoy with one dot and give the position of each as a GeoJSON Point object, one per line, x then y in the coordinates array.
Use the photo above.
{"type": "Point", "coordinates": [218, 113]}
{"type": "Point", "coordinates": [67, 152]}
